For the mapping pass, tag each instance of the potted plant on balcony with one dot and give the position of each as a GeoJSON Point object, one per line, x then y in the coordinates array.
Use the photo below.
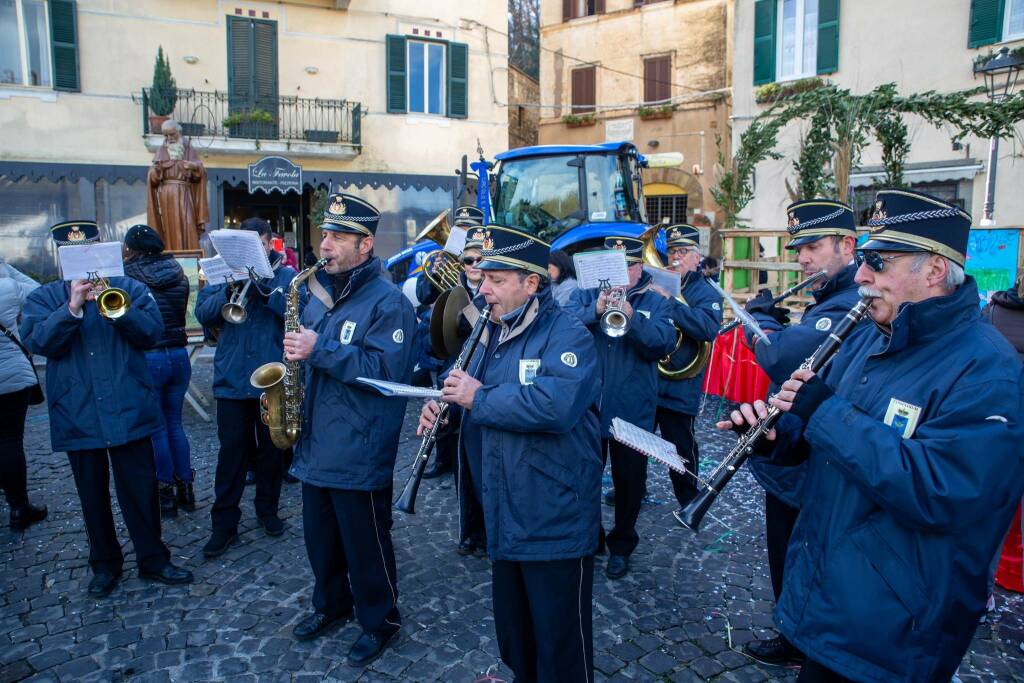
{"type": "Point", "coordinates": [578, 121]}
{"type": "Point", "coordinates": [252, 123]}
{"type": "Point", "coordinates": [163, 93]}
{"type": "Point", "coordinates": [663, 111]}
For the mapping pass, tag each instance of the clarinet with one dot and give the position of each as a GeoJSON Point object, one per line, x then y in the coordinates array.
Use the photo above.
{"type": "Point", "coordinates": [407, 501]}
{"type": "Point", "coordinates": [729, 326]}
{"type": "Point", "coordinates": [691, 516]}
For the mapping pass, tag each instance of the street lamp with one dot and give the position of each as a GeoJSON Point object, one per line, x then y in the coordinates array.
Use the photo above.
{"type": "Point", "coordinates": [1001, 74]}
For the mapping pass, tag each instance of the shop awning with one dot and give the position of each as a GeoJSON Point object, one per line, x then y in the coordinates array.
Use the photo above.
{"type": "Point", "coordinates": [923, 172]}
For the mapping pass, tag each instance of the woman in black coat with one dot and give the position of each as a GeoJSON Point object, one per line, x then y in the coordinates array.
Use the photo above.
{"type": "Point", "coordinates": [168, 363]}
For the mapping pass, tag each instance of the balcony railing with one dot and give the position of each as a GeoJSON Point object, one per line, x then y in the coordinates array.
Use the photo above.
{"type": "Point", "coordinates": [219, 114]}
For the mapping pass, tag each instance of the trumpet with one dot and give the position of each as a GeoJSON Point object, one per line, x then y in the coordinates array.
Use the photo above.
{"type": "Point", "coordinates": [614, 321]}
{"type": "Point", "coordinates": [709, 488]}
{"type": "Point", "coordinates": [112, 302]}
{"type": "Point", "coordinates": [234, 310]}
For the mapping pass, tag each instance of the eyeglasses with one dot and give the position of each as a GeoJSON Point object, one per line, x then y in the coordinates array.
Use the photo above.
{"type": "Point", "coordinates": [875, 261]}
{"type": "Point", "coordinates": [471, 260]}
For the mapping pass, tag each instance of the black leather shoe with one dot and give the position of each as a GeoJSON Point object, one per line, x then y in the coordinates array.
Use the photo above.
{"type": "Point", "coordinates": [609, 498]}
{"type": "Point", "coordinates": [219, 542]}
{"type": "Point", "coordinates": [617, 567]}
{"type": "Point", "coordinates": [272, 525]}
{"type": "Point", "coordinates": [436, 469]}
{"type": "Point", "coordinates": [776, 651]}
{"type": "Point", "coordinates": [368, 647]}
{"type": "Point", "coordinates": [168, 503]}
{"type": "Point", "coordinates": [481, 551]}
{"type": "Point", "coordinates": [23, 518]}
{"type": "Point", "coordinates": [316, 624]}
{"type": "Point", "coordinates": [466, 547]}
{"type": "Point", "coordinates": [184, 494]}
{"type": "Point", "coordinates": [102, 584]}
{"type": "Point", "coordinates": [169, 574]}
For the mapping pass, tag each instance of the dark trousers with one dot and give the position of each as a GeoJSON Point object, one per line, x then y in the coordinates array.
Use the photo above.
{"type": "Point", "coordinates": [677, 428]}
{"type": "Point", "coordinates": [629, 476]}
{"type": "Point", "coordinates": [243, 435]}
{"type": "Point", "coordinates": [542, 616]}
{"type": "Point", "coordinates": [779, 520]}
{"type": "Point", "coordinates": [348, 540]}
{"type": "Point", "coordinates": [13, 471]}
{"type": "Point", "coordinates": [812, 672]}
{"type": "Point", "coordinates": [135, 484]}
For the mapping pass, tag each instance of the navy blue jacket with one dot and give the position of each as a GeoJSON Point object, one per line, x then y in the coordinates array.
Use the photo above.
{"type": "Point", "coordinates": [790, 347]}
{"type": "Point", "coordinates": [540, 434]}
{"type": "Point", "coordinates": [98, 385]}
{"type": "Point", "coordinates": [166, 281]}
{"type": "Point", "coordinates": [244, 347]}
{"type": "Point", "coordinates": [629, 364]}
{"type": "Point", "coordinates": [350, 432]}
{"type": "Point", "coordinates": [699, 321]}
{"type": "Point", "coordinates": [915, 470]}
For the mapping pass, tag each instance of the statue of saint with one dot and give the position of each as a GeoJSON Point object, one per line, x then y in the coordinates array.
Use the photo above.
{"type": "Point", "coordinates": [176, 202]}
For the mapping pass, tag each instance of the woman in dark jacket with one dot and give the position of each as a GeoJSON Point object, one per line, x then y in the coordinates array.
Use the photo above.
{"type": "Point", "coordinates": [1006, 311]}
{"type": "Point", "coordinates": [168, 363]}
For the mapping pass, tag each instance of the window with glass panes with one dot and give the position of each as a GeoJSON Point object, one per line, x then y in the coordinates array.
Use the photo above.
{"type": "Point", "coordinates": [1014, 28]}
{"type": "Point", "coordinates": [426, 77]}
{"type": "Point", "coordinates": [666, 206]}
{"type": "Point", "coordinates": [797, 38]}
{"type": "Point", "coordinates": [24, 43]}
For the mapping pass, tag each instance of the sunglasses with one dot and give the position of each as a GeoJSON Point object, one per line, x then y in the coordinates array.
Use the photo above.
{"type": "Point", "coordinates": [875, 261]}
{"type": "Point", "coordinates": [471, 260]}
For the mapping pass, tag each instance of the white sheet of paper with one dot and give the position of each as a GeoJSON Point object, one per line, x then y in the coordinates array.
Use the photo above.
{"type": "Point", "coordinates": [605, 268]}
{"type": "Point", "coordinates": [398, 389]}
{"type": "Point", "coordinates": [666, 279]}
{"type": "Point", "coordinates": [456, 242]}
{"type": "Point", "coordinates": [216, 270]}
{"type": "Point", "coordinates": [645, 442]}
{"type": "Point", "coordinates": [241, 250]}
{"type": "Point", "coordinates": [78, 261]}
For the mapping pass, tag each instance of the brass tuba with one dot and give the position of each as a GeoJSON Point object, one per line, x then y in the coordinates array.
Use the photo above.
{"type": "Point", "coordinates": [696, 365]}
{"type": "Point", "coordinates": [440, 267]}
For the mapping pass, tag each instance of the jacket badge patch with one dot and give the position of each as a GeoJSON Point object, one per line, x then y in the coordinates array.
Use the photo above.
{"type": "Point", "coordinates": [716, 306]}
{"type": "Point", "coordinates": [569, 358]}
{"type": "Point", "coordinates": [347, 330]}
{"type": "Point", "coordinates": [823, 324]}
{"type": "Point", "coordinates": [902, 417]}
{"type": "Point", "coordinates": [528, 368]}
{"type": "Point", "coordinates": [398, 336]}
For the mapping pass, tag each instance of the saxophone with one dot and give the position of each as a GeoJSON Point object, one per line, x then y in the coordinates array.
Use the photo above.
{"type": "Point", "coordinates": [281, 382]}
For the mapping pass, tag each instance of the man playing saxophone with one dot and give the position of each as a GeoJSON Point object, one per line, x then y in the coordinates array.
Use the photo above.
{"type": "Point", "coordinates": [241, 348]}
{"type": "Point", "coordinates": [355, 324]}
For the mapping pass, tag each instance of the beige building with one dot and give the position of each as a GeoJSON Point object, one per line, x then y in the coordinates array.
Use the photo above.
{"type": "Point", "coordinates": [380, 99]}
{"type": "Point", "coordinates": [918, 44]}
{"type": "Point", "coordinates": [653, 72]}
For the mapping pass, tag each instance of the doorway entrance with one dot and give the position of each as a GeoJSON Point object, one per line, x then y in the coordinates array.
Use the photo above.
{"type": "Point", "coordinates": [286, 212]}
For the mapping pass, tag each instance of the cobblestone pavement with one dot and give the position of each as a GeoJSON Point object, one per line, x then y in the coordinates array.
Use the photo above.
{"type": "Point", "coordinates": [683, 613]}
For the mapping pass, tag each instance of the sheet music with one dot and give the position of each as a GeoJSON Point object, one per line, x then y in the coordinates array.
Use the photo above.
{"type": "Point", "coordinates": [601, 269]}
{"type": "Point", "coordinates": [647, 443]}
{"type": "Point", "coordinates": [668, 280]}
{"type": "Point", "coordinates": [456, 242]}
{"type": "Point", "coordinates": [78, 261]}
{"type": "Point", "coordinates": [241, 250]}
{"type": "Point", "coordinates": [216, 270]}
{"type": "Point", "coordinates": [398, 389]}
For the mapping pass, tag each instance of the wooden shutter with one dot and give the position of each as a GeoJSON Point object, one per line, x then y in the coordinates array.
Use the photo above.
{"type": "Point", "coordinates": [396, 74]}
{"type": "Point", "coordinates": [240, 67]}
{"type": "Point", "coordinates": [583, 90]}
{"type": "Point", "coordinates": [986, 25]}
{"type": "Point", "coordinates": [567, 9]}
{"type": "Point", "coordinates": [657, 79]}
{"type": "Point", "coordinates": [458, 80]}
{"type": "Point", "coordinates": [264, 66]}
{"type": "Point", "coordinates": [828, 36]}
{"type": "Point", "coordinates": [764, 41]}
{"type": "Point", "coordinates": [64, 45]}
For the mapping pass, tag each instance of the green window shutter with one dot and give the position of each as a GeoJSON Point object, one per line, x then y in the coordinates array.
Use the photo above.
{"type": "Point", "coordinates": [240, 67]}
{"type": "Point", "coordinates": [764, 41]}
{"type": "Point", "coordinates": [458, 80]}
{"type": "Point", "coordinates": [396, 74]}
{"type": "Point", "coordinates": [986, 26]}
{"type": "Point", "coordinates": [828, 36]}
{"type": "Point", "coordinates": [264, 65]}
{"type": "Point", "coordinates": [64, 45]}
